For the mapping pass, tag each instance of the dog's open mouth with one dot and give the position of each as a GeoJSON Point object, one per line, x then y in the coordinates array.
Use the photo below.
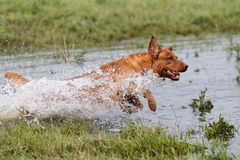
{"type": "Point", "coordinates": [172, 74]}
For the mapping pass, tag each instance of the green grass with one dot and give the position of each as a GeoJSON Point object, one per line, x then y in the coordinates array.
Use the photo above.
{"type": "Point", "coordinates": [80, 140]}
{"type": "Point", "coordinates": [30, 25]}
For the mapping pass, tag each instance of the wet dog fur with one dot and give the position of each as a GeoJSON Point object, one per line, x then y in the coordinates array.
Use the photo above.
{"type": "Point", "coordinates": [162, 61]}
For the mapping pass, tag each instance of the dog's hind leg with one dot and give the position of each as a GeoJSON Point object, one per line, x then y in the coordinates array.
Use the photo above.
{"type": "Point", "coordinates": [15, 78]}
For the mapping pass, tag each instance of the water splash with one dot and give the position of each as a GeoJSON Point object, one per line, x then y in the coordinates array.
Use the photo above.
{"type": "Point", "coordinates": [85, 97]}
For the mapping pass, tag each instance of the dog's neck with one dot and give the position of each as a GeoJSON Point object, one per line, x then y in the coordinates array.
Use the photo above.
{"type": "Point", "coordinates": [137, 62]}
{"type": "Point", "coordinates": [144, 60]}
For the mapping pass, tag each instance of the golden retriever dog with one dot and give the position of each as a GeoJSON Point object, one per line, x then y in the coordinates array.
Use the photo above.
{"type": "Point", "coordinates": [162, 61]}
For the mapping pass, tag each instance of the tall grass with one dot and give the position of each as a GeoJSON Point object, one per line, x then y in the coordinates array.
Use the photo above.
{"type": "Point", "coordinates": [30, 24]}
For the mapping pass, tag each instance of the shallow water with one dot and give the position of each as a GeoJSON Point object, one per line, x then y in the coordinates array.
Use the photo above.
{"type": "Point", "coordinates": [217, 71]}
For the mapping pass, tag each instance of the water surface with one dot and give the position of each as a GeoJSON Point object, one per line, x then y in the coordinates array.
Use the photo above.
{"type": "Point", "coordinates": [211, 66]}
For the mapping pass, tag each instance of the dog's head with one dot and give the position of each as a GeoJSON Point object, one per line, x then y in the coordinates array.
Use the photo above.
{"type": "Point", "coordinates": [165, 62]}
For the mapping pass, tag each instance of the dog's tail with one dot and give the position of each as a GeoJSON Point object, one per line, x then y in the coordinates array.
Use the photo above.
{"type": "Point", "coordinates": [15, 78]}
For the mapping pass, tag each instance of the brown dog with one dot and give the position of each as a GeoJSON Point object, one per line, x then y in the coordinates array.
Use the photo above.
{"type": "Point", "coordinates": [162, 61]}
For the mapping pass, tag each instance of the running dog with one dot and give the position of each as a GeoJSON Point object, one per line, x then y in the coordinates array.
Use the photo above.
{"type": "Point", "coordinates": [162, 61]}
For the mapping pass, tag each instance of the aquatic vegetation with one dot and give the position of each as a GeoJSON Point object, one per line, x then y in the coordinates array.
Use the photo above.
{"type": "Point", "coordinates": [238, 76]}
{"type": "Point", "coordinates": [221, 130]}
{"type": "Point", "coordinates": [78, 58]}
{"type": "Point", "coordinates": [196, 70]}
{"type": "Point", "coordinates": [62, 53]}
{"type": "Point", "coordinates": [196, 54]}
{"type": "Point", "coordinates": [201, 104]}
{"type": "Point", "coordinates": [235, 48]}
{"type": "Point", "coordinates": [238, 80]}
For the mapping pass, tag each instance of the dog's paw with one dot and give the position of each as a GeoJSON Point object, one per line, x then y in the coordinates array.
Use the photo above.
{"type": "Point", "coordinates": [152, 105]}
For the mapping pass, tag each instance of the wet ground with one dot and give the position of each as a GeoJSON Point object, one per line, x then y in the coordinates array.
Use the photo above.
{"type": "Point", "coordinates": [211, 65]}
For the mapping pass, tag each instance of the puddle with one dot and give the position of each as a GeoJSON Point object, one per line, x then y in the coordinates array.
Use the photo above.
{"type": "Point", "coordinates": [210, 66]}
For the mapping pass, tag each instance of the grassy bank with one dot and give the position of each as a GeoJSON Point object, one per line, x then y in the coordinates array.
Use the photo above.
{"type": "Point", "coordinates": [29, 24]}
{"type": "Point", "coordinates": [80, 140]}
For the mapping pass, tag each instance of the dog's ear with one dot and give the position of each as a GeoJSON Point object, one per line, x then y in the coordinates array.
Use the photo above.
{"type": "Point", "coordinates": [170, 48]}
{"type": "Point", "coordinates": [153, 47]}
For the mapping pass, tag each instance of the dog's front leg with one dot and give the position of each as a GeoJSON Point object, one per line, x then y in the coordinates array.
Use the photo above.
{"type": "Point", "coordinates": [150, 99]}
{"type": "Point", "coordinates": [129, 102]}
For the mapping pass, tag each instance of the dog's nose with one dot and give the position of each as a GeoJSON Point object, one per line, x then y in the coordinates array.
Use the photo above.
{"type": "Point", "coordinates": [185, 67]}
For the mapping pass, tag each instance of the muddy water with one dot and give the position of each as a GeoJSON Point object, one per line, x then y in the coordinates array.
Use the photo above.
{"type": "Point", "coordinates": [211, 66]}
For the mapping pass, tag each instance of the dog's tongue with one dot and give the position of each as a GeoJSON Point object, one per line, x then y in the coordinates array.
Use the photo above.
{"type": "Point", "coordinates": [174, 74]}
{"type": "Point", "coordinates": [176, 77]}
